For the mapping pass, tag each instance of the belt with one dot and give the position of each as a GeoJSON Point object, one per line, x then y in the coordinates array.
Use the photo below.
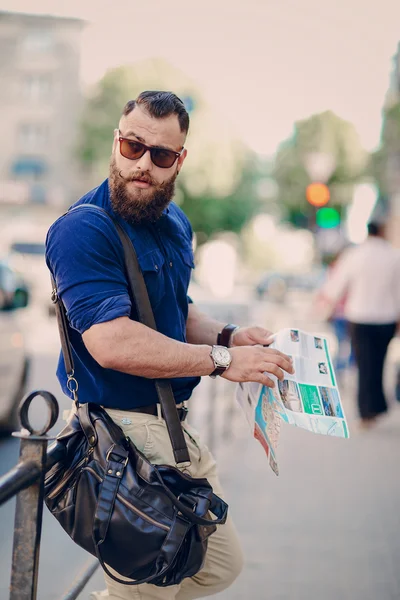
{"type": "Point", "coordinates": [153, 410]}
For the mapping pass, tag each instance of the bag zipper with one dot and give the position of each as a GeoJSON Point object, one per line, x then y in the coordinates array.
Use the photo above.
{"type": "Point", "coordinates": [71, 471]}
{"type": "Point", "coordinates": [131, 506]}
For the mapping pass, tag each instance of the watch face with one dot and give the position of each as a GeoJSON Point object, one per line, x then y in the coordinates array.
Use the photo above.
{"type": "Point", "coordinates": [221, 356]}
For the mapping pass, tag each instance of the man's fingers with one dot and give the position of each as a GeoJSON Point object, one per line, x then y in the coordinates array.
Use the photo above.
{"type": "Point", "coordinates": [273, 351]}
{"type": "Point", "coordinates": [280, 359]}
{"type": "Point", "coordinates": [265, 380]}
{"type": "Point", "coordinates": [287, 365]}
{"type": "Point", "coordinates": [274, 370]}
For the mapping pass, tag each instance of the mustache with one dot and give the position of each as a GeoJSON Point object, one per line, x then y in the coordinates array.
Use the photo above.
{"type": "Point", "coordinates": [137, 176]}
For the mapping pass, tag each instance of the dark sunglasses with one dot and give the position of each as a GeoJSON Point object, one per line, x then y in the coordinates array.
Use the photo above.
{"type": "Point", "coordinates": [161, 157]}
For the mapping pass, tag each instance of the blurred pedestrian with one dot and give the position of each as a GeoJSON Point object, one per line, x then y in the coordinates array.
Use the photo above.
{"type": "Point", "coordinates": [116, 357]}
{"type": "Point", "coordinates": [344, 356]}
{"type": "Point", "coordinates": [369, 276]}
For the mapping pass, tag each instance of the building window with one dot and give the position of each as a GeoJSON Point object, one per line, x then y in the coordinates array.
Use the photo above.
{"type": "Point", "coordinates": [33, 137]}
{"type": "Point", "coordinates": [30, 169]}
{"type": "Point", "coordinates": [37, 41]}
{"type": "Point", "coordinates": [37, 86]}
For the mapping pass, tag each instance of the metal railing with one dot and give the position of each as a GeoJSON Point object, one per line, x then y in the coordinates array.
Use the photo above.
{"type": "Point", "coordinates": [26, 482]}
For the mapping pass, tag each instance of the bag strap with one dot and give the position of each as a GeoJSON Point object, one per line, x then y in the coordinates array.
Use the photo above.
{"type": "Point", "coordinates": [175, 538]}
{"type": "Point", "coordinates": [62, 329]}
{"type": "Point", "coordinates": [184, 519]}
{"type": "Point", "coordinates": [140, 297]}
{"type": "Point", "coordinates": [104, 507]}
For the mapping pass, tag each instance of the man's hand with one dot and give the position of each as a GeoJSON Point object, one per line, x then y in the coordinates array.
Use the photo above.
{"type": "Point", "coordinates": [251, 363]}
{"type": "Point", "coordinates": [251, 336]}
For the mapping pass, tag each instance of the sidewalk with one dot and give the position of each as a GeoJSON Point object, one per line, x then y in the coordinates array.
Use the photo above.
{"type": "Point", "coordinates": [328, 527]}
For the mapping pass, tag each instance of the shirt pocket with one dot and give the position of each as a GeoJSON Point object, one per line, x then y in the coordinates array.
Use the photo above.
{"type": "Point", "coordinates": [188, 257]}
{"type": "Point", "coordinates": [152, 267]}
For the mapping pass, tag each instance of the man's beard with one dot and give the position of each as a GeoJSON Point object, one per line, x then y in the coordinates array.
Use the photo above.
{"type": "Point", "coordinates": [138, 204]}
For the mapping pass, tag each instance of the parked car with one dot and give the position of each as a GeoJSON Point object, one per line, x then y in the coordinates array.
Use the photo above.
{"type": "Point", "coordinates": [14, 359]}
{"type": "Point", "coordinates": [274, 286]}
{"type": "Point", "coordinates": [28, 258]}
{"type": "Point", "coordinates": [14, 291]}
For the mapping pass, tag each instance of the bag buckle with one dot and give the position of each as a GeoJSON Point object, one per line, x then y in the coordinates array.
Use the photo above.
{"type": "Point", "coordinates": [184, 410]}
{"type": "Point", "coordinates": [114, 466]}
{"type": "Point", "coordinates": [191, 504]}
{"type": "Point", "coordinates": [111, 451]}
{"type": "Point", "coordinates": [184, 464]}
{"type": "Point", "coordinates": [72, 385]}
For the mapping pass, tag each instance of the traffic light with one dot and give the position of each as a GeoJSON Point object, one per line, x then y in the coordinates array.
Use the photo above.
{"type": "Point", "coordinates": [327, 218]}
{"type": "Point", "coordinates": [317, 194]}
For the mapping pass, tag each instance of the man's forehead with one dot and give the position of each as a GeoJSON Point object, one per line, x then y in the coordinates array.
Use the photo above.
{"type": "Point", "coordinates": [153, 131]}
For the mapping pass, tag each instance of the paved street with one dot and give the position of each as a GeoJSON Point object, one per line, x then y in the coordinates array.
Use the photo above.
{"type": "Point", "coordinates": [327, 527]}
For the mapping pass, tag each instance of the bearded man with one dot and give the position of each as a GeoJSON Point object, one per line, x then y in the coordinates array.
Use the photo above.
{"type": "Point", "coordinates": [116, 357]}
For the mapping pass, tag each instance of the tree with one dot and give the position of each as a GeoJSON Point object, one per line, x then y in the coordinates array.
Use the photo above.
{"type": "Point", "coordinates": [210, 214]}
{"type": "Point", "coordinates": [215, 188]}
{"type": "Point", "coordinates": [325, 135]}
{"type": "Point", "coordinates": [385, 162]}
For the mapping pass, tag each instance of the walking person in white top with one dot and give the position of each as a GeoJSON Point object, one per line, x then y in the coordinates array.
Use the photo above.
{"type": "Point", "coordinates": [369, 275]}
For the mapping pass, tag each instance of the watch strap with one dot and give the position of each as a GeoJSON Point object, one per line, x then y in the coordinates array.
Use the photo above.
{"type": "Point", "coordinates": [224, 336]}
{"type": "Point", "coordinates": [218, 371]}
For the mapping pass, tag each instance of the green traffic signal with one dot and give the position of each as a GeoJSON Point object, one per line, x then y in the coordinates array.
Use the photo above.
{"type": "Point", "coordinates": [328, 218]}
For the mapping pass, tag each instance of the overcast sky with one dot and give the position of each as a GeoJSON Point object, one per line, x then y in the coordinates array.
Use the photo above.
{"type": "Point", "coordinates": [263, 64]}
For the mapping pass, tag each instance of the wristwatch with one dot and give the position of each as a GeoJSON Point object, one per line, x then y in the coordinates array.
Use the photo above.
{"type": "Point", "coordinates": [222, 359]}
{"type": "Point", "coordinates": [224, 336]}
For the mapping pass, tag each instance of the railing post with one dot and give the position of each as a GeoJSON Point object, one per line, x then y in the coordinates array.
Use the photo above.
{"type": "Point", "coordinates": [29, 505]}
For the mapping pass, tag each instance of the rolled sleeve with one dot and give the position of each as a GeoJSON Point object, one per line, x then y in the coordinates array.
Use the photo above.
{"type": "Point", "coordinates": [85, 257]}
{"type": "Point", "coordinates": [108, 310]}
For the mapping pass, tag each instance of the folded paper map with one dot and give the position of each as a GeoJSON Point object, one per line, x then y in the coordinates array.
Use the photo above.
{"type": "Point", "coordinates": [309, 398]}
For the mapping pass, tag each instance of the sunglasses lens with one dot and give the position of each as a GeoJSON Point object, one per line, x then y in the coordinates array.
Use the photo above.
{"type": "Point", "coordinates": [163, 158]}
{"type": "Point", "coordinates": [135, 150]}
{"type": "Point", "coordinates": [131, 150]}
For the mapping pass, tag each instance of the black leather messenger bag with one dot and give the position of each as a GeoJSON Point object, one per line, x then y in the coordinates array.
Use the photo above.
{"type": "Point", "coordinates": [150, 523]}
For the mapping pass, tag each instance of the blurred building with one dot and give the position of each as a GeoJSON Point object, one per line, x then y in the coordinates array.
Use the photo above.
{"type": "Point", "coordinates": [391, 143]}
{"type": "Point", "coordinates": [393, 93]}
{"type": "Point", "coordinates": [40, 103]}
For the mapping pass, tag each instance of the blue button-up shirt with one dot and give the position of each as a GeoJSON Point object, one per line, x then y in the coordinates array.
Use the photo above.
{"type": "Point", "coordinates": [86, 259]}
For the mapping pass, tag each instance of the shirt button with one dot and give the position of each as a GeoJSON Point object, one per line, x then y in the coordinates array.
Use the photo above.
{"type": "Point", "coordinates": [156, 267]}
{"type": "Point", "coordinates": [170, 264]}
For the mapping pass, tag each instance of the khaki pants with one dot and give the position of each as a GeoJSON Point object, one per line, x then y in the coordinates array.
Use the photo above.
{"type": "Point", "coordinates": [224, 556]}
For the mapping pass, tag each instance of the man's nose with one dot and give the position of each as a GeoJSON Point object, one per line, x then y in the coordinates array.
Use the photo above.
{"type": "Point", "coordinates": [144, 163]}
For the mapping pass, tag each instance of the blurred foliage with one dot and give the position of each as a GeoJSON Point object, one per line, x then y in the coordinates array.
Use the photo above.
{"type": "Point", "coordinates": [215, 187]}
{"type": "Point", "coordinates": [209, 214]}
{"type": "Point", "coordinates": [324, 133]}
{"type": "Point", "coordinates": [385, 162]}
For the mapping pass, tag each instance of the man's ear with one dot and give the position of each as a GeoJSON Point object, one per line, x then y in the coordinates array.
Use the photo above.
{"type": "Point", "coordinates": [181, 159]}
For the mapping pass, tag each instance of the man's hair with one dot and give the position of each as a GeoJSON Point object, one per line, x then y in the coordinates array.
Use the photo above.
{"type": "Point", "coordinates": [374, 228]}
{"type": "Point", "coordinates": [159, 105]}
